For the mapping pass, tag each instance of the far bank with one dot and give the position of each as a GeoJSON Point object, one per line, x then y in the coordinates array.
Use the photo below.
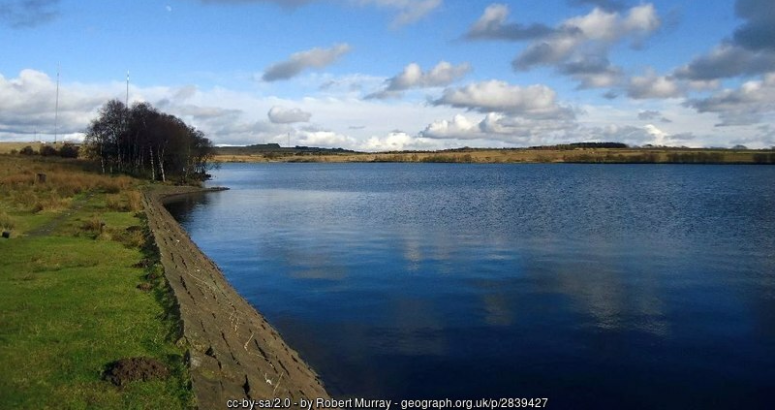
{"type": "Point", "coordinates": [510, 155]}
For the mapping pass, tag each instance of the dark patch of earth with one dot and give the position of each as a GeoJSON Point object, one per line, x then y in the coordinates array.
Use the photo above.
{"type": "Point", "coordinates": [132, 369]}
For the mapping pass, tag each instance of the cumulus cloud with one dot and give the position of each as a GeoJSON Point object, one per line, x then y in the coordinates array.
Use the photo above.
{"type": "Point", "coordinates": [326, 139]}
{"type": "Point", "coordinates": [409, 11]}
{"type": "Point", "coordinates": [398, 140]}
{"type": "Point", "coordinates": [281, 115]}
{"type": "Point", "coordinates": [652, 85]}
{"type": "Point", "coordinates": [413, 76]}
{"type": "Point", "coordinates": [534, 101]}
{"type": "Point", "coordinates": [745, 105]}
{"type": "Point", "coordinates": [577, 47]}
{"type": "Point", "coordinates": [27, 106]}
{"type": "Point", "coordinates": [592, 71]}
{"type": "Point", "coordinates": [459, 127]}
{"type": "Point", "coordinates": [298, 62]}
{"type": "Point", "coordinates": [650, 115]}
{"type": "Point", "coordinates": [727, 60]}
{"type": "Point", "coordinates": [27, 109]}
{"type": "Point", "coordinates": [759, 29]}
{"type": "Point", "coordinates": [28, 13]}
{"type": "Point", "coordinates": [750, 50]}
{"type": "Point", "coordinates": [599, 28]}
{"type": "Point", "coordinates": [508, 129]}
{"type": "Point", "coordinates": [635, 135]}
{"type": "Point", "coordinates": [492, 26]}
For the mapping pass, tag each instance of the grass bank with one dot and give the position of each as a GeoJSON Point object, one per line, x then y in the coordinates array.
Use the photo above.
{"type": "Point", "coordinates": [81, 288]}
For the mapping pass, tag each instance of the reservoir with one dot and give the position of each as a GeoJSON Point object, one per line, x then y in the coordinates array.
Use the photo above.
{"type": "Point", "coordinates": [595, 286]}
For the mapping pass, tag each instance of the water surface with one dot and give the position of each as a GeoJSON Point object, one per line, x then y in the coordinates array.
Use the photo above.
{"type": "Point", "coordinates": [597, 286]}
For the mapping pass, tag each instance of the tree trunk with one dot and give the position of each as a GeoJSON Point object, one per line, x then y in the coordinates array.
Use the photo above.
{"type": "Point", "coordinates": [153, 170]}
{"type": "Point", "coordinates": [160, 153]}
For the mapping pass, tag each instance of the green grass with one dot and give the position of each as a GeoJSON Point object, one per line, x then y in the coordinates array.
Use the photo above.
{"type": "Point", "coordinates": [69, 306]}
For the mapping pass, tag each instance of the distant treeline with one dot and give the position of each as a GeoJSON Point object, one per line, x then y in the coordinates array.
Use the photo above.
{"type": "Point", "coordinates": [684, 157]}
{"type": "Point", "coordinates": [575, 145]}
{"type": "Point", "coordinates": [276, 151]}
{"type": "Point", "coordinates": [645, 158]}
{"type": "Point", "coordinates": [144, 141]}
{"type": "Point", "coordinates": [650, 158]}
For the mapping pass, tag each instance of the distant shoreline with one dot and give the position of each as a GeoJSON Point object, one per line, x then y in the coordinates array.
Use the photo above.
{"type": "Point", "coordinates": [538, 155]}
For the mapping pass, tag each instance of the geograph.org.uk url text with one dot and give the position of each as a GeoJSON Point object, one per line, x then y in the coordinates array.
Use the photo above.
{"type": "Point", "coordinates": [360, 403]}
{"type": "Point", "coordinates": [469, 404]}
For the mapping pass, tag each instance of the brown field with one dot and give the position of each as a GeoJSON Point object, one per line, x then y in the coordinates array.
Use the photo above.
{"type": "Point", "coordinates": [525, 155]}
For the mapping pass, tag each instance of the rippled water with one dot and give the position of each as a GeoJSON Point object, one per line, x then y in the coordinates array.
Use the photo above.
{"type": "Point", "coordinates": [597, 286]}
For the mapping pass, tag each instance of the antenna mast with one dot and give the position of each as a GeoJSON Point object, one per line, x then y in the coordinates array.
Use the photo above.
{"type": "Point", "coordinates": [127, 89]}
{"type": "Point", "coordinates": [56, 110]}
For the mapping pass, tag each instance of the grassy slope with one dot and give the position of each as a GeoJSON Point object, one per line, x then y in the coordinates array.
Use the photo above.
{"type": "Point", "coordinates": [68, 298]}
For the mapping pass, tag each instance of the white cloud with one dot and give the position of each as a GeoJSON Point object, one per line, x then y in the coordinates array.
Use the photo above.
{"type": "Point", "coordinates": [511, 115]}
{"type": "Point", "coordinates": [650, 115]}
{"type": "Point", "coordinates": [750, 50]}
{"type": "Point", "coordinates": [459, 127]}
{"type": "Point", "coordinates": [298, 62]}
{"type": "Point", "coordinates": [409, 11]}
{"type": "Point", "coordinates": [28, 106]}
{"type": "Point", "coordinates": [652, 85]}
{"type": "Point", "coordinates": [398, 141]}
{"type": "Point", "coordinates": [535, 101]}
{"type": "Point", "coordinates": [749, 104]}
{"type": "Point", "coordinates": [507, 130]}
{"type": "Point", "coordinates": [599, 28]}
{"type": "Point", "coordinates": [592, 72]}
{"type": "Point", "coordinates": [413, 76]}
{"type": "Point", "coordinates": [281, 115]}
{"type": "Point", "coordinates": [492, 25]}
{"type": "Point", "coordinates": [727, 60]}
{"type": "Point", "coordinates": [578, 47]}
{"type": "Point", "coordinates": [328, 139]}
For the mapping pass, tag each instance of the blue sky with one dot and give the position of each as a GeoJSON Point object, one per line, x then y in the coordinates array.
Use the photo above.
{"type": "Point", "coordinates": [399, 74]}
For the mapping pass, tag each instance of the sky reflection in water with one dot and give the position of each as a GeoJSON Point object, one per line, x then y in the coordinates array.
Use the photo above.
{"type": "Point", "coordinates": [596, 286]}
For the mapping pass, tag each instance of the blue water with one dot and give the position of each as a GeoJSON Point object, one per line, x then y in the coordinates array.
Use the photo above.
{"type": "Point", "coordinates": [596, 286]}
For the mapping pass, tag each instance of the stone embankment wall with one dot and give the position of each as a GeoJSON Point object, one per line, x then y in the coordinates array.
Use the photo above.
{"type": "Point", "coordinates": [234, 353]}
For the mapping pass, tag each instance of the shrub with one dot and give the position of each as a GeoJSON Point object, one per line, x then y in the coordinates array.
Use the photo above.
{"type": "Point", "coordinates": [68, 150]}
{"type": "Point", "coordinates": [48, 151]}
{"type": "Point", "coordinates": [27, 151]}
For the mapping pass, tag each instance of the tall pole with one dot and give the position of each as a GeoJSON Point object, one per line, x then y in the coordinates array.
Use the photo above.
{"type": "Point", "coordinates": [56, 110]}
{"type": "Point", "coordinates": [127, 90]}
